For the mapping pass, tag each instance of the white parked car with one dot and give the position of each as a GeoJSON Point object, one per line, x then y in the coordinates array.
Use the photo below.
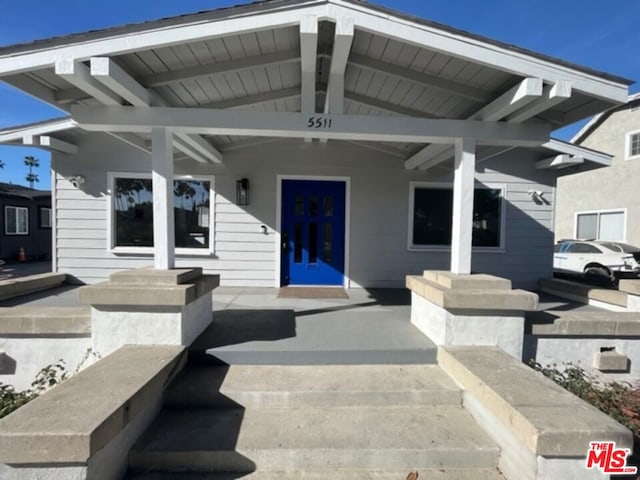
{"type": "Point", "coordinates": [598, 259]}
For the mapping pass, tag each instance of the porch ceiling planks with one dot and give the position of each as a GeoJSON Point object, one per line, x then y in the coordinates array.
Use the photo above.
{"type": "Point", "coordinates": [299, 125]}
{"type": "Point", "coordinates": [381, 63]}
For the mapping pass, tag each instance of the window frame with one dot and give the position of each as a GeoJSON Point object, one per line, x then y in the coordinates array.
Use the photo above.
{"type": "Point", "coordinates": [598, 213]}
{"type": "Point", "coordinates": [447, 248]}
{"type": "Point", "coordinates": [40, 224]}
{"type": "Point", "coordinates": [17, 208]}
{"type": "Point", "coordinates": [111, 237]}
{"type": "Point", "coordinates": [627, 146]}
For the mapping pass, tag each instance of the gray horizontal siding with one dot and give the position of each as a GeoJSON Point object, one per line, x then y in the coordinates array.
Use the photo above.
{"type": "Point", "coordinates": [245, 256]}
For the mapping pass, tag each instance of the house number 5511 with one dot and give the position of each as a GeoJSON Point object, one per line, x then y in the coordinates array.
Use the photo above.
{"type": "Point", "coordinates": [319, 122]}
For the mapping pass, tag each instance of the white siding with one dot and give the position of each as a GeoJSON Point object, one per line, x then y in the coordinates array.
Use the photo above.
{"type": "Point", "coordinates": [244, 255]}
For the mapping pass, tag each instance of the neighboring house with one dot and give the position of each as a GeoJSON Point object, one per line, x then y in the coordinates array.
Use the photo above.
{"type": "Point", "coordinates": [605, 204]}
{"type": "Point", "coordinates": [25, 222]}
{"type": "Point", "coordinates": [326, 142]}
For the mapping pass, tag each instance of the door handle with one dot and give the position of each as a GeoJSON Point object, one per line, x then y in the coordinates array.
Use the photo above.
{"type": "Point", "coordinates": [284, 241]}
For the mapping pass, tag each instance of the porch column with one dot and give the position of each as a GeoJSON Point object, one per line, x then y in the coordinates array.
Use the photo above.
{"type": "Point", "coordinates": [162, 178]}
{"type": "Point", "coordinates": [462, 224]}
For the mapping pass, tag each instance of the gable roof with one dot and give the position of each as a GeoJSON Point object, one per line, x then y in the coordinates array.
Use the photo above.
{"type": "Point", "coordinates": [597, 120]}
{"type": "Point", "coordinates": [258, 6]}
{"type": "Point", "coordinates": [256, 57]}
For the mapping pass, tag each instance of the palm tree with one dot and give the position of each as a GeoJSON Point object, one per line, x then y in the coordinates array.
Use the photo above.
{"type": "Point", "coordinates": [32, 178]}
{"type": "Point", "coordinates": [1, 164]}
{"type": "Point", "coordinates": [31, 162]}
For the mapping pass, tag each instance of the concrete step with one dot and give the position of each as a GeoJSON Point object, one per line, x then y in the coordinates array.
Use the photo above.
{"type": "Point", "coordinates": [289, 439]}
{"type": "Point", "coordinates": [312, 386]}
{"type": "Point", "coordinates": [221, 356]}
{"type": "Point", "coordinates": [427, 474]}
{"type": "Point", "coordinates": [15, 287]}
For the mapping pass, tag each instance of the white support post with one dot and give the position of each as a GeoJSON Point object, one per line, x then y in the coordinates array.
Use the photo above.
{"type": "Point", "coordinates": [162, 182]}
{"type": "Point", "coordinates": [462, 225]}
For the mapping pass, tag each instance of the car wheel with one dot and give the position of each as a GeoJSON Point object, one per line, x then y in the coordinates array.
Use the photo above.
{"type": "Point", "coordinates": [599, 274]}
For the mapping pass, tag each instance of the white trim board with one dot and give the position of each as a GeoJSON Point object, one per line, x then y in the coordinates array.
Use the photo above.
{"type": "Point", "coordinates": [112, 248]}
{"type": "Point", "coordinates": [447, 248]}
{"type": "Point", "coordinates": [347, 221]}
{"type": "Point", "coordinates": [598, 213]}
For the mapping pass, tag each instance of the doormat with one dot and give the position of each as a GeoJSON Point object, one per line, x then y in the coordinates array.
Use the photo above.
{"type": "Point", "coordinates": [312, 292]}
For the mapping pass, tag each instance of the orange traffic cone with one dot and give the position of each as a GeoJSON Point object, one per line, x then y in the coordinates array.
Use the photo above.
{"type": "Point", "coordinates": [21, 256]}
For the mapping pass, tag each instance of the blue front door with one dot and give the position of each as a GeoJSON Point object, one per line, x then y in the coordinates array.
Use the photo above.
{"type": "Point", "coordinates": [313, 230]}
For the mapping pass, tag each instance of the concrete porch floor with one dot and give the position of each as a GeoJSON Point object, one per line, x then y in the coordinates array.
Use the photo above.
{"type": "Point", "coordinates": [253, 325]}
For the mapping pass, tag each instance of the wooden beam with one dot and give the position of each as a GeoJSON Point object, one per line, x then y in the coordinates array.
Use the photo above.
{"type": "Point", "coordinates": [112, 76]}
{"type": "Point", "coordinates": [552, 95]}
{"type": "Point", "coordinates": [50, 143]}
{"type": "Point", "coordinates": [257, 99]}
{"type": "Point", "coordinates": [385, 106]}
{"type": "Point", "coordinates": [299, 125]}
{"type": "Point", "coordinates": [515, 98]}
{"type": "Point", "coordinates": [343, 39]}
{"type": "Point", "coordinates": [79, 75]}
{"type": "Point", "coordinates": [188, 150]}
{"type": "Point", "coordinates": [578, 151]}
{"type": "Point", "coordinates": [308, 55]}
{"type": "Point", "coordinates": [559, 161]}
{"type": "Point", "coordinates": [17, 133]}
{"type": "Point", "coordinates": [308, 64]}
{"type": "Point", "coordinates": [522, 94]}
{"type": "Point", "coordinates": [421, 78]}
{"type": "Point", "coordinates": [221, 68]}
{"type": "Point", "coordinates": [131, 140]}
{"type": "Point", "coordinates": [202, 147]}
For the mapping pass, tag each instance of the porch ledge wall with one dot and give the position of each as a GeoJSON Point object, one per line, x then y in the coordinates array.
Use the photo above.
{"type": "Point", "coordinates": [470, 310]}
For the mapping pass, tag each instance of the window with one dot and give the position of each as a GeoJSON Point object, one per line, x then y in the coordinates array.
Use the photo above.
{"type": "Point", "coordinates": [582, 248]}
{"type": "Point", "coordinates": [632, 148]}
{"type": "Point", "coordinates": [44, 216]}
{"type": "Point", "coordinates": [604, 225]}
{"type": "Point", "coordinates": [431, 211]}
{"type": "Point", "coordinates": [16, 220]}
{"type": "Point", "coordinates": [132, 213]}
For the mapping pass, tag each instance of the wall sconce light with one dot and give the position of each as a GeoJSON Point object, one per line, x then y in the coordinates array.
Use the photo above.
{"type": "Point", "coordinates": [242, 192]}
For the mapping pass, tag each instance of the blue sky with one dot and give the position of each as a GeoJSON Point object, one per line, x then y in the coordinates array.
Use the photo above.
{"type": "Point", "coordinates": [600, 34]}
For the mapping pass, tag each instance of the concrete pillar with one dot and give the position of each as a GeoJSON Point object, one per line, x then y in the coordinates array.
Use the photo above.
{"type": "Point", "coordinates": [462, 223]}
{"type": "Point", "coordinates": [162, 180]}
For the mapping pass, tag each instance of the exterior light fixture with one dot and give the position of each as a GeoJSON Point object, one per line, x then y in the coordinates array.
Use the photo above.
{"type": "Point", "coordinates": [242, 192]}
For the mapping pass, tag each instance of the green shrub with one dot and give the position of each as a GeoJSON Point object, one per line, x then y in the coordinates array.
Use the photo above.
{"type": "Point", "coordinates": [11, 400]}
{"type": "Point", "coordinates": [621, 401]}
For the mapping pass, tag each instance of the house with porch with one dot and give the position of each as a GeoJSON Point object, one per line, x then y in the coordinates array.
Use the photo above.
{"type": "Point", "coordinates": [303, 143]}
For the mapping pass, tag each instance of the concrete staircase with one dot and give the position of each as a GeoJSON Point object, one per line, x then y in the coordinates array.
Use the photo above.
{"type": "Point", "coordinates": [270, 422]}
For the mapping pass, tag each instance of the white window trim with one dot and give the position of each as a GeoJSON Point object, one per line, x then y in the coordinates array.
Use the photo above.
{"type": "Point", "coordinates": [627, 146]}
{"type": "Point", "coordinates": [442, 248]}
{"type": "Point", "coordinates": [40, 210]}
{"type": "Point", "coordinates": [598, 212]}
{"type": "Point", "coordinates": [6, 232]}
{"type": "Point", "coordinates": [111, 238]}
